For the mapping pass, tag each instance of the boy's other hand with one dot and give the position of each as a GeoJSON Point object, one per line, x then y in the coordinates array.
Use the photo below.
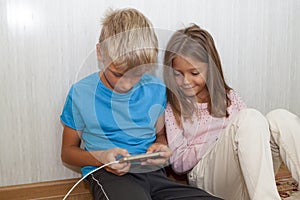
{"type": "Point", "coordinates": [164, 151]}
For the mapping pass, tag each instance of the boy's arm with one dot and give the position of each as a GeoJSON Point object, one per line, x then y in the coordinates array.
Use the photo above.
{"type": "Point", "coordinates": [160, 130]}
{"type": "Point", "coordinates": [160, 144]}
{"type": "Point", "coordinates": [71, 152]}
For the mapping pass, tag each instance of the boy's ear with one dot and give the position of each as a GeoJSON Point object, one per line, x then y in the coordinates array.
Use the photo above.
{"type": "Point", "coordinates": [99, 55]}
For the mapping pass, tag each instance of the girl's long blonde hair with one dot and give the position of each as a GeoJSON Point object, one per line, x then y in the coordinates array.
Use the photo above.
{"type": "Point", "coordinates": [195, 43]}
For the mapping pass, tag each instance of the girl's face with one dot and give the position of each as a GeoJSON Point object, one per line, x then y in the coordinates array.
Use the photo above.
{"type": "Point", "coordinates": [190, 76]}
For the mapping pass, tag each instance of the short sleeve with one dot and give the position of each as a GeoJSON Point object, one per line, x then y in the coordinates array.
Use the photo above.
{"type": "Point", "coordinates": [71, 115]}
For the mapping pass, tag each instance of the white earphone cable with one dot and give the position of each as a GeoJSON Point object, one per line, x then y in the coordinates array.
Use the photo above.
{"type": "Point", "coordinates": [113, 162]}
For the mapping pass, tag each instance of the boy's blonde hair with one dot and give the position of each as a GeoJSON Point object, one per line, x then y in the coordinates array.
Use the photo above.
{"type": "Point", "coordinates": [128, 39]}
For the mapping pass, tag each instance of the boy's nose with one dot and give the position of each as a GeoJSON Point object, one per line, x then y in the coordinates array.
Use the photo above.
{"type": "Point", "coordinates": [125, 84]}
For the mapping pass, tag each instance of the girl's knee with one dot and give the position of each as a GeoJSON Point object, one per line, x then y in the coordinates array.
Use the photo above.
{"type": "Point", "coordinates": [250, 121]}
{"type": "Point", "coordinates": [252, 116]}
{"type": "Point", "coordinates": [252, 129]}
{"type": "Point", "coordinates": [279, 114]}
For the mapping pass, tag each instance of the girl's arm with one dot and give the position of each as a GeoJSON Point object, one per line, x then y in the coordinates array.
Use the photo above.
{"type": "Point", "coordinates": [184, 156]}
{"type": "Point", "coordinates": [186, 150]}
{"type": "Point", "coordinates": [185, 153]}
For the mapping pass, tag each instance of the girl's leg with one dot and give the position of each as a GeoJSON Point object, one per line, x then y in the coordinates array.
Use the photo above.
{"type": "Point", "coordinates": [239, 167]}
{"type": "Point", "coordinates": [285, 140]}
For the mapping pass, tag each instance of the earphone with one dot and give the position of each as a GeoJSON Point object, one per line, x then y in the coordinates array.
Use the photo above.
{"type": "Point", "coordinates": [110, 163]}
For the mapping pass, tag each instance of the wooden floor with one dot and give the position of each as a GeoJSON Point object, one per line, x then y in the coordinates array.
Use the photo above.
{"type": "Point", "coordinates": [56, 190]}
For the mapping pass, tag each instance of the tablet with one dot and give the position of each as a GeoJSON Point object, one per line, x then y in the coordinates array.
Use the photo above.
{"type": "Point", "coordinates": [139, 157]}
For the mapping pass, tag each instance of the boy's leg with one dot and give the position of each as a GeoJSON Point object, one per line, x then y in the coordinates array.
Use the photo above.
{"type": "Point", "coordinates": [285, 140]}
{"type": "Point", "coordinates": [107, 186]}
{"type": "Point", "coordinates": [240, 164]}
{"type": "Point", "coordinates": [162, 188]}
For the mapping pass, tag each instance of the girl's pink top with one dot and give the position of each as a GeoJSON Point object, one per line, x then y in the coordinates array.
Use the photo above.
{"type": "Point", "coordinates": [191, 142]}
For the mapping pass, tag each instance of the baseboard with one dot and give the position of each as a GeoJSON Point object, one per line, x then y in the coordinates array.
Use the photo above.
{"type": "Point", "coordinates": [54, 190]}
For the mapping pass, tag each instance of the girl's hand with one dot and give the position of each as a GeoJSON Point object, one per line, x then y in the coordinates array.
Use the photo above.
{"type": "Point", "coordinates": [110, 155]}
{"type": "Point", "coordinates": [165, 153]}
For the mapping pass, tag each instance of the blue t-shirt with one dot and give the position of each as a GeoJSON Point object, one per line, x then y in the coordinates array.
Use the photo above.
{"type": "Point", "coordinates": [108, 119]}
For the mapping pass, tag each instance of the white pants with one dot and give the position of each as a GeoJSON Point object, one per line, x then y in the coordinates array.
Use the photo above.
{"type": "Point", "coordinates": [243, 162]}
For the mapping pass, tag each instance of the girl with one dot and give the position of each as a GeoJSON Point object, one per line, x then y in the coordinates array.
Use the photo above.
{"type": "Point", "coordinates": [226, 149]}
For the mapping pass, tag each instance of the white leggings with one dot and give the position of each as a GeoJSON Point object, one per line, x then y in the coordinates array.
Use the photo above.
{"type": "Point", "coordinates": [243, 162]}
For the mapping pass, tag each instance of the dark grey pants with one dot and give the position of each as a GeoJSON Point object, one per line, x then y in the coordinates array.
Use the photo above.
{"type": "Point", "coordinates": [153, 185]}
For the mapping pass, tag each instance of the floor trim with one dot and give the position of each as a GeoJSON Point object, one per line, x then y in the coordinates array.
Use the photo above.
{"type": "Point", "coordinates": [46, 190]}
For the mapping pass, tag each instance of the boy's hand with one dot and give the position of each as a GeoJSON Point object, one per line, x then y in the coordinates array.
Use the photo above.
{"type": "Point", "coordinates": [110, 155]}
{"type": "Point", "coordinates": [165, 153]}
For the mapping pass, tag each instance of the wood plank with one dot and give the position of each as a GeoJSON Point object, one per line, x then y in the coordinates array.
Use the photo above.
{"type": "Point", "coordinates": [46, 190]}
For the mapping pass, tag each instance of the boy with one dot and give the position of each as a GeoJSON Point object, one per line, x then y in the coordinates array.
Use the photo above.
{"type": "Point", "coordinates": [119, 112]}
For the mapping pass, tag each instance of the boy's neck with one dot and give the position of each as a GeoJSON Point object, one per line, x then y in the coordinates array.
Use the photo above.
{"type": "Point", "coordinates": [105, 81]}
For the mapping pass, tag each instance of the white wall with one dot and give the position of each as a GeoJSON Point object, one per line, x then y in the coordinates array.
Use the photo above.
{"type": "Point", "coordinates": [46, 45]}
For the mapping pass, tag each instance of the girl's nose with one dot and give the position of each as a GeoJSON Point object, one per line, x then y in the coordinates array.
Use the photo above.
{"type": "Point", "coordinates": [186, 80]}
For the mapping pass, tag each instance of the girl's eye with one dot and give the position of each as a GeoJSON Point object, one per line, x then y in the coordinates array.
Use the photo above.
{"type": "Point", "coordinates": [195, 73]}
{"type": "Point", "coordinates": [176, 73]}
